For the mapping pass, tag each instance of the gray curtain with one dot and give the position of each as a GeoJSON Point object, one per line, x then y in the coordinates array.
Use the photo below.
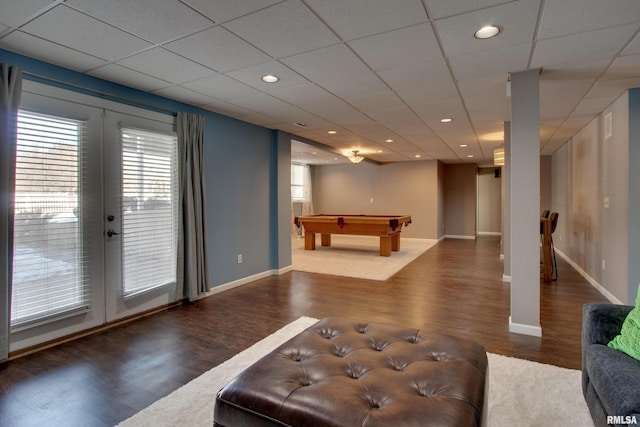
{"type": "Point", "coordinates": [10, 88]}
{"type": "Point", "coordinates": [193, 270]}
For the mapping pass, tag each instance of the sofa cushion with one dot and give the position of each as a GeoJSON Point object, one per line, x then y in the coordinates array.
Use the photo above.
{"type": "Point", "coordinates": [628, 340]}
{"type": "Point", "coordinates": [614, 376]}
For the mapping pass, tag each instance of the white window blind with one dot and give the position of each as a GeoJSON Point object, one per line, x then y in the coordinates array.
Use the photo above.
{"type": "Point", "coordinates": [49, 262]}
{"type": "Point", "coordinates": [297, 182]}
{"type": "Point", "coordinates": [149, 209]}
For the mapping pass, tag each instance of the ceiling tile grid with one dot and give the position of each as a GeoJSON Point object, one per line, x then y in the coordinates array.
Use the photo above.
{"type": "Point", "coordinates": [369, 69]}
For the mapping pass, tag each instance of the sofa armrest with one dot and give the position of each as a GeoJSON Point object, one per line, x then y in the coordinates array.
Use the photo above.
{"type": "Point", "coordinates": [602, 322]}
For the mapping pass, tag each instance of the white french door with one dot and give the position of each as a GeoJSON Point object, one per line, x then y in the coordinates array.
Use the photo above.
{"type": "Point", "coordinates": [95, 214]}
{"type": "Point", "coordinates": [141, 213]}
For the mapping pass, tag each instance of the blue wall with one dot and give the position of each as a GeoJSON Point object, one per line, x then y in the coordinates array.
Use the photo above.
{"type": "Point", "coordinates": [242, 161]}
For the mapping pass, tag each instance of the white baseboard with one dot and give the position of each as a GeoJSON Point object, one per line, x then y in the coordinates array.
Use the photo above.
{"type": "Point", "coordinates": [520, 328]}
{"type": "Point", "coordinates": [243, 281]}
{"type": "Point", "coordinates": [456, 236]}
{"type": "Point", "coordinates": [489, 233]}
{"type": "Point", "coordinates": [608, 295]}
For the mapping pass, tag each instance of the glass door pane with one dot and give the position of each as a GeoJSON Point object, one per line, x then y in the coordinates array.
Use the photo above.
{"type": "Point", "coordinates": [49, 257]}
{"type": "Point", "coordinates": [149, 209]}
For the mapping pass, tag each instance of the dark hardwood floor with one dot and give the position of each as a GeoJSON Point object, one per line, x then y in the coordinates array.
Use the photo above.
{"type": "Point", "coordinates": [455, 288]}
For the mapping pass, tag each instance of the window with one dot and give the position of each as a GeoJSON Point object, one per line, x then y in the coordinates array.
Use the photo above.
{"type": "Point", "coordinates": [297, 182]}
{"type": "Point", "coordinates": [49, 261]}
{"type": "Point", "coordinates": [149, 209]}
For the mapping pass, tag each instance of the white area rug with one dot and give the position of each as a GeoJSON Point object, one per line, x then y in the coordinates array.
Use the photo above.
{"type": "Point", "coordinates": [521, 393]}
{"type": "Point", "coordinates": [356, 256]}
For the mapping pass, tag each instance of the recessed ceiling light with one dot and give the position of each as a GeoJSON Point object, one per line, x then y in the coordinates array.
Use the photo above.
{"type": "Point", "coordinates": [388, 140]}
{"type": "Point", "coordinates": [417, 156]}
{"type": "Point", "coordinates": [446, 120]}
{"type": "Point", "coordinates": [487, 32]}
{"type": "Point", "coordinates": [301, 124]}
{"type": "Point", "coordinates": [463, 145]}
{"type": "Point", "coordinates": [470, 156]}
{"type": "Point", "coordinates": [332, 132]}
{"type": "Point", "coordinates": [270, 78]}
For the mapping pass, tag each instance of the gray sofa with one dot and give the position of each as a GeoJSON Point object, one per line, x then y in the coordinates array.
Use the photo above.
{"type": "Point", "coordinates": [610, 378]}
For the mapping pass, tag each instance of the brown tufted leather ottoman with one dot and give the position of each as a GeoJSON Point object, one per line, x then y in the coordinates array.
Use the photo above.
{"type": "Point", "coordinates": [341, 372]}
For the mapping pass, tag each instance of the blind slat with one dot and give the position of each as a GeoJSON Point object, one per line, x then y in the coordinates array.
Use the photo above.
{"type": "Point", "coordinates": [149, 206]}
{"type": "Point", "coordinates": [49, 258]}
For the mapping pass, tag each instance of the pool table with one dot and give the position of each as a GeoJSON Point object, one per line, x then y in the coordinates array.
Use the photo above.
{"type": "Point", "coordinates": [387, 227]}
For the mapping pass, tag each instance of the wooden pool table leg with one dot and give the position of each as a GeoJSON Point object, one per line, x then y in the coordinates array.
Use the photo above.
{"type": "Point", "coordinates": [385, 246]}
{"type": "Point", "coordinates": [395, 242]}
{"type": "Point", "coordinates": [309, 241]}
{"type": "Point", "coordinates": [326, 239]}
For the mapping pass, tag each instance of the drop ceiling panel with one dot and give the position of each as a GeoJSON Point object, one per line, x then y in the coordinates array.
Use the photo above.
{"type": "Point", "coordinates": [456, 32]}
{"type": "Point", "coordinates": [414, 46]}
{"type": "Point", "coordinates": [128, 77]}
{"type": "Point", "coordinates": [226, 109]}
{"type": "Point", "coordinates": [593, 45]}
{"type": "Point", "coordinates": [350, 86]}
{"type": "Point", "coordinates": [218, 49]}
{"type": "Point", "coordinates": [633, 48]}
{"type": "Point", "coordinates": [442, 8]}
{"type": "Point", "coordinates": [377, 101]}
{"type": "Point", "coordinates": [184, 95]}
{"type": "Point", "coordinates": [314, 98]}
{"type": "Point", "coordinates": [282, 30]}
{"type": "Point", "coordinates": [490, 62]}
{"type": "Point", "coordinates": [361, 18]}
{"type": "Point", "coordinates": [560, 98]}
{"type": "Point", "coordinates": [563, 17]}
{"type": "Point", "coordinates": [154, 20]}
{"type": "Point", "coordinates": [165, 65]}
{"type": "Point", "coordinates": [222, 11]}
{"type": "Point", "coordinates": [612, 87]}
{"type": "Point", "coordinates": [15, 13]}
{"type": "Point", "coordinates": [252, 76]}
{"type": "Point", "coordinates": [50, 52]}
{"type": "Point", "coordinates": [623, 67]}
{"type": "Point", "coordinates": [280, 110]}
{"type": "Point", "coordinates": [326, 64]}
{"type": "Point", "coordinates": [70, 28]}
{"type": "Point", "coordinates": [221, 87]}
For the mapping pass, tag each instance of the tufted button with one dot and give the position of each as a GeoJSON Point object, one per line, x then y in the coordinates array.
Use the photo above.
{"type": "Point", "coordinates": [340, 351]}
{"type": "Point", "coordinates": [398, 365]}
{"type": "Point", "coordinates": [413, 339]}
{"type": "Point", "coordinates": [296, 355]}
{"type": "Point", "coordinates": [355, 371]}
{"type": "Point", "coordinates": [378, 346]}
{"type": "Point", "coordinates": [328, 333]}
{"type": "Point", "coordinates": [363, 328]}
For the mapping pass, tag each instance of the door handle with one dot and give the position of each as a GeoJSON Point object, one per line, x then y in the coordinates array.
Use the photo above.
{"type": "Point", "coordinates": [112, 233]}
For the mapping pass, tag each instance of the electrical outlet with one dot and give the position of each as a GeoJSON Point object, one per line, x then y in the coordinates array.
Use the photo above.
{"type": "Point", "coordinates": [604, 265]}
{"type": "Point", "coordinates": [240, 259]}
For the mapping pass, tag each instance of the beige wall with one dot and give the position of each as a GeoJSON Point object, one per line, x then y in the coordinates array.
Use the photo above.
{"type": "Point", "coordinates": [545, 182]}
{"type": "Point", "coordinates": [489, 201]}
{"type": "Point", "coordinates": [404, 188]}
{"type": "Point", "coordinates": [460, 196]}
{"type": "Point", "coordinates": [586, 172]}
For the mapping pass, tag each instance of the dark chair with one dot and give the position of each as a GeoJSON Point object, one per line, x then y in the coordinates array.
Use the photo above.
{"type": "Point", "coordinates": [554, 223]}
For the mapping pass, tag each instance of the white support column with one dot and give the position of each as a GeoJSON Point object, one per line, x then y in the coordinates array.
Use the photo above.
{"type": "Point", "coordinates": [506, 209]}
{"type": "Point", "coordinates": [524, 162]}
